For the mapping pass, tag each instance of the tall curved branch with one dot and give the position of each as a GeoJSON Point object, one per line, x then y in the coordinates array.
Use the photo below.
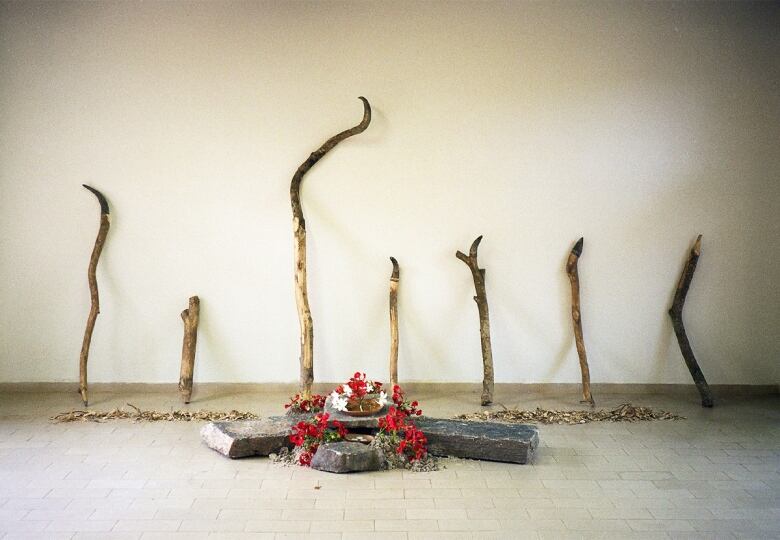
{"type": "Point", "coordinates": [94, 310]}
{"type": "Point", "coordinates": [484, 318]}
{"type": "Point", "coordinates": [395, 277]}
{"type": "Point", "coordinates": [675, 312]}
{"type": "Point", "coordinates": [314, 157]}
{"type": "Point", "coordinates": [574, 278]}
{"type": "Point", "coordinates": [299, 232]}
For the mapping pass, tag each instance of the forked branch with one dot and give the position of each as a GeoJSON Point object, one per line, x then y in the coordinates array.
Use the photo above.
{"type": "Point", "coordinates": [484, 318]}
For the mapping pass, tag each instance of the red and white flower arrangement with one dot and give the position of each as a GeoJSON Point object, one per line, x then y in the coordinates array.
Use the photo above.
{"type": "Point", "coordinates": [399, 439]}
{"type": "Point", "coordinates": [358, 394]}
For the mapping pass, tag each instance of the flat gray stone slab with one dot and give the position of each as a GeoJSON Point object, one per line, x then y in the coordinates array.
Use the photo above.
{"type": "Point", "coordinates": [491, 441]}
{"type": "Point", "coordinates": [365, 422]}
{"type": "Point", "coordinates": [345, 457]}
{"type": "Point", "coordinates": [248, 437]}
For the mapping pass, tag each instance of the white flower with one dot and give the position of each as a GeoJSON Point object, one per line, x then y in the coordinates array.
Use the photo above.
{"type": "Point", "coordinates": [369, 387]}
{"type": "Point", "coordinates": [382, 399]}
{"type": "Point", "coordinates": [338, 401]}
{"type": "Point", "coordinates": [347, 389]}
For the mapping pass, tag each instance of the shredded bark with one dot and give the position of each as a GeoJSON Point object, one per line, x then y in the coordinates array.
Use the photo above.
{"type": "Point", "coordinates": [151, 416]}
{"type": "Point", "coordinates": [286, 457]}
{"type": "Point", "coordinates": [624, 413]}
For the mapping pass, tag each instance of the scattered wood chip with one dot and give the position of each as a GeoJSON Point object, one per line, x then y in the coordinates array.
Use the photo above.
{"type": "Point", "coordinates": [624, 413]}
{"type": "Point", "coordinates": [151, 416]}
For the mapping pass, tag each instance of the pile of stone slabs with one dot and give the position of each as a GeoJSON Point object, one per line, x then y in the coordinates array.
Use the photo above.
{"type": "Point", "coordinates": [491, 441]}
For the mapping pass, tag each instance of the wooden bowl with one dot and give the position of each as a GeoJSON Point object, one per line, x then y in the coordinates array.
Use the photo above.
{"type": "Point", "coordinates": [370, 408]}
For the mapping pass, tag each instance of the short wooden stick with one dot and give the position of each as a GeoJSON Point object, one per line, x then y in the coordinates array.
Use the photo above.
{"type": "Point", "coordinates": [191, 317]}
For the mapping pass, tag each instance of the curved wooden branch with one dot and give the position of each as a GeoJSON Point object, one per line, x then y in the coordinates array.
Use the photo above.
{"type": "Point", "coordinates": [574, 278]}
{"type": "Point", "coordinates": [191, 317]}
{"type": "Point", "coordinates": [299, 232]}
{"type": "Point", "coordinates": [93, 291]}
{"type": "Point", "coordinates": [394, 280]}
{"type": "Point", "coordinates": [484, 318]}
{"type": "Point", "coordinates": [675, 312]}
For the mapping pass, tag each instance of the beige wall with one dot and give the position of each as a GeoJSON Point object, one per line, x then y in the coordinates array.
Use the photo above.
{"type": "Point", "coordinates": [635, 125]}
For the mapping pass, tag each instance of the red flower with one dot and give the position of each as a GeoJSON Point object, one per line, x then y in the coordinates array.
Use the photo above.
{"type": "Point", "coordinates": [342, 430]}
{"type": "Point", "coordinates": [297, 404]}
{"type": "Point", "coordinates": [305, 458]}
{"type": "Point", "coordinates": [413, 444]}
{"type": "Point", "coordinates": [309, 434]}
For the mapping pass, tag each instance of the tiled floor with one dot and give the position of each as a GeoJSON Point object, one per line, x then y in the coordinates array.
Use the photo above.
{"type": "Point", "coordinates": [714, 475]}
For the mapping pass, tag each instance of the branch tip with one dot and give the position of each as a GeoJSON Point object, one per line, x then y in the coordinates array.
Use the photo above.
{"type": "Point", "coordinates": [100, 197]}
{"type": "Point", "coordinates": [396, 271]}
{"type": "Point", "coordinates": [366, 113]}
{"type": "Point", "coordinates": [697, 246]}
{"type": "Point", "coordinates": [475, 246]}
{"type": "Point", "coordinates": [577, 249]}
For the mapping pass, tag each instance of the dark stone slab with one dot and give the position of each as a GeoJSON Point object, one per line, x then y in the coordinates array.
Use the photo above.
{"type": "Point", "coordinates": [248, 437]}
{"type": "Point", "coordinates": [344, 457]}
{"type": "Point", "coordinates": [512, 443]}
{"type": "Point", "coordinates": [355, 422]}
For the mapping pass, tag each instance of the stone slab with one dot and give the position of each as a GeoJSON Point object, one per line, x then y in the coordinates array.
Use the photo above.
{"type": "Point", "coordinates": [248, 437]}
{"type": "Point", "coordinates": [345, 457]}
{"type": "Point", "coordinates": [491, 441]}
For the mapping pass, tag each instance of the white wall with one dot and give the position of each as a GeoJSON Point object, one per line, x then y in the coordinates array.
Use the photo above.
{"type": "Point", "coordinates": [635, 125]}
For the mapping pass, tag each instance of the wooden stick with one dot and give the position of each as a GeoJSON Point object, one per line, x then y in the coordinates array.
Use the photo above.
{"type": "Point", "coordinates": [484, 319]}
{"type": "Point", "coordinates": [675, 312]}
{"type": "Point", "coordinates": [94, 309]}
{"type": "Point", "coordinates": [190, 316]}
{"type": "Point", "coordinates": [299, 232]}
{"type": "Point", "coordinates": [574, 278]}
{"type": "Point", "coordinates": [394, 279]}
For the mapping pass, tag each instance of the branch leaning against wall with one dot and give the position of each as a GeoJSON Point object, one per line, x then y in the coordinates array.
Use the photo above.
{"type": "Point", "coordinates": [299, 232]}
{"type": "Point", "coordinates": [191, 317]}
{"type": "Point", "coordinates": [675, 312]}
{"type": "Point", "coordinates": [484, 318]}
{"type": "Point", "coordinates": [395, 277]}
{"type": "Point", "coordinates": [574, 278]}
{"type": "Point", "coordinates": [94, 309]}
